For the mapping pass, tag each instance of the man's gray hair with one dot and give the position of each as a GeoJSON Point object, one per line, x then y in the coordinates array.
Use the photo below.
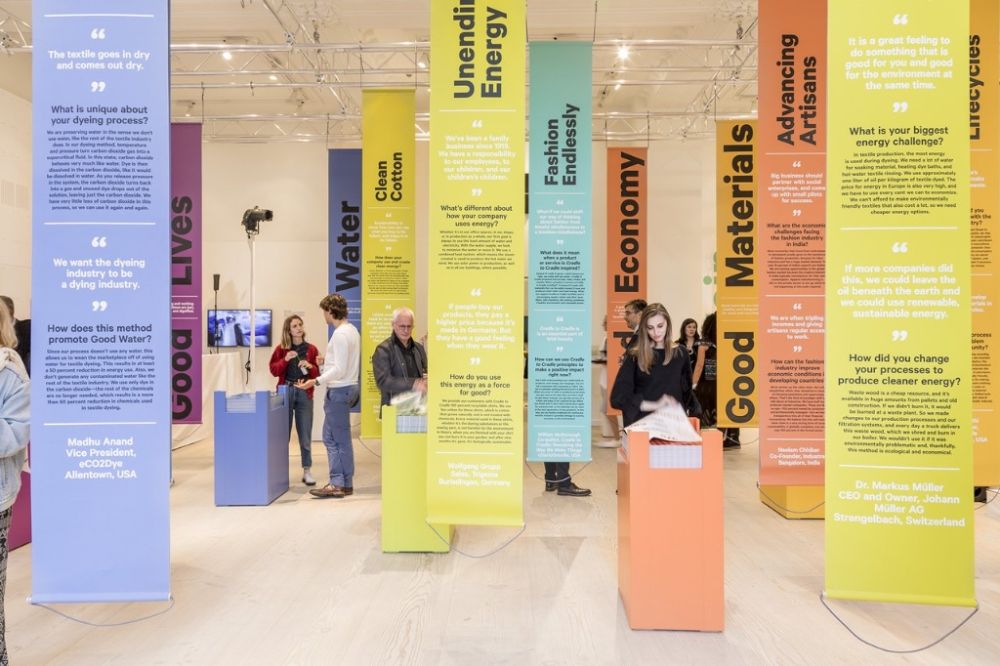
{"type": "Point", "coordinates": [402, 311]}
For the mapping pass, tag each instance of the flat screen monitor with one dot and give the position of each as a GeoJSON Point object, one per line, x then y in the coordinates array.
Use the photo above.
{"type": "Point", "coordinates": [231, 328]}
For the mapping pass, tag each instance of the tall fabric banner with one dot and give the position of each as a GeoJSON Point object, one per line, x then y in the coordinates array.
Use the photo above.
{"type": "Point", "coordinates": [388, 275]}
{"type": "Point", "coordinates": [791, 242]}
{"type": "Point", "coordinates": [101, 274]}
{"type": "Point", "coordinates": [899, 442]}
{"type": "Point", "coordinates": [344, 231]}
{"type": "Point", "coordinates": [626, 229]}
{"type": "Point", "coordinates": [476, 277]}
{"type": "Point", "coordinates": [560, 252]}
{"type": "Point", "coordinates": [736, 221]}
{"type": "Point", "coordinates": [984, 53]}
{"type": "Point", "coordinates": [186, 331]}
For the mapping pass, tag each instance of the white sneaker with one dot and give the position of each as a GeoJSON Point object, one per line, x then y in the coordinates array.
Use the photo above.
{"type": "Point", "coordinates": [307, 478]}
{"type": "Point", "coordinates": [608, 443]}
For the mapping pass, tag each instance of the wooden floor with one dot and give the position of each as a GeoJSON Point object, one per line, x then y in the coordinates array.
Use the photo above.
{"type": "Point", "coordinates": [303, 581]}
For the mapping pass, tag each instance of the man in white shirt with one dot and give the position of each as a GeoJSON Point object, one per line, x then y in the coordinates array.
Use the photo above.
{"type": "Point", "coordinates": [339, 375]}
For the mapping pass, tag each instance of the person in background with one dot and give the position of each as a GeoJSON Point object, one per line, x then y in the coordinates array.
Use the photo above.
{"type": "Point", "coordinates": [400, 362]}
{"type": "Point", "coordinates": [341, 365]}
{"type": "Point", "coordinates": [15, 393]}
{"type": "Point", "coordinates": [609, 424]}
{"type": "Point", "coordinates": [705, 385]}
{"type": "Point", "coordinates": [293, 360]}
{"type": "Point", "coordinates": [22, 330]}
{"type": "Point", "coordinates": [633, 312]}
{"type": "Point", "coordinates": [688, 339]}
{"type": "Point", "coordinates": [655, 371]}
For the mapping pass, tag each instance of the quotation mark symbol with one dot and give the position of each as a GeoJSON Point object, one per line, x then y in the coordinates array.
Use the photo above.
{"type": "Point", "coordinates": [99, 241]}
{"type": "Point", "coordinates": [899, 336]}
{"type": "Point", "coordinates": [97, 33]}
{"type": "Point", "coordinates": [559, 349]}
{"type": "Point", "coordinates": [797, 164]}
{"type": "Point", "coordinates": [475, 360]}
{"type": "Point", "coordinates": [900, 19]}
{"type": "Point", "coordinates": [477, 192]}
{"type": "Point", "coordinates": [559, 202]}
{"type": "Point", "coordinates": [900, 248]}
{"type": "Point", "coordinates": [477, 123]}
{"type": "Point", "coordinates": [797, 213]}
{"type": "Point", "coordinates": [99, 306]}
{"type": "Point", "coordinates": [476, 292]}
{"type": "Point", "coordinates": [97, 86]}
{"type": "Point", "coordinates": [797, 348]}
{"type": "Point", "coordinates": [900, 107]}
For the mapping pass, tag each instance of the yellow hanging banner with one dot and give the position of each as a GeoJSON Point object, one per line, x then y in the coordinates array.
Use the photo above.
{"type": "Point", "coordinates": [899, 521]}
{"type": "Point", "coordinates": [388, 271]}
{"type": "Point", "coordinates": [736, 257]}
{"type": "Point", "coordinates": [476, 256]}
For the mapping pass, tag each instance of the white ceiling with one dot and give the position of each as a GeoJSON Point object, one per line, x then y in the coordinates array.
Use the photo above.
{"type": "Point", "coordinates": [690, 61]}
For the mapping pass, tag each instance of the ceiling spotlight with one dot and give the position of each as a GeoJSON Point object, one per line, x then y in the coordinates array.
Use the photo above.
{"type": "Point", "coordinates": [226, 55]}
{"type": "Point", "coordinates": [618, 86]}
{"type": "Point", "coordinates": [623, 52]}
{"type": "Point", "coordinates": [273, 77]}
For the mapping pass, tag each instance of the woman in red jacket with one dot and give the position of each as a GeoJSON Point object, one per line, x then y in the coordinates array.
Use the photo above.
{"type": "Point", "coordinates": [293, 360]}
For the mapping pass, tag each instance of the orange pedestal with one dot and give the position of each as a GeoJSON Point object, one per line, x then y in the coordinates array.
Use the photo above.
{"type": "Point", "coordinates": [670, 537]}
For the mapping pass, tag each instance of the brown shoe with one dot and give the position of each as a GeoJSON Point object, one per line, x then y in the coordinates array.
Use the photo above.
{"type": "Point", "coordinates": [327, 491]}
{"type": "Point", "coordinates": [348, 490]}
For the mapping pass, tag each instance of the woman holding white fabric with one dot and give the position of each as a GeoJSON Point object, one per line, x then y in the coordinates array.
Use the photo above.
{"type": "Point", "coordinates": [15, 392]}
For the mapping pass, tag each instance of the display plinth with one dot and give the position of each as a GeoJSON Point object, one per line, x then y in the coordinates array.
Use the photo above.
{"type": "Point", "coordinates": [404, 493]}
{"type": "Point", "coordinates": [251, 448]}
{"type": "Point", "coordinates": [20, 519]}
{"type": "Point", "coordinates": [670, 538]}
{"type": "Point", "coordinates": [794, 502]}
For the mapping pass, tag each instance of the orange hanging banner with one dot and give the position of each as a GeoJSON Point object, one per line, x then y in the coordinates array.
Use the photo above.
{"type": "Point", "coordinates": [791, 240]}
{"type": "Point", "coordinates": [626, 220]}
{"type": "Point", "coordinates": [984, 61]}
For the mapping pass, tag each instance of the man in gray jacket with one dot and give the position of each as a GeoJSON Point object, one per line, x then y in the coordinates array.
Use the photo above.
{"type": "Point", "coordinates": [400, 362]}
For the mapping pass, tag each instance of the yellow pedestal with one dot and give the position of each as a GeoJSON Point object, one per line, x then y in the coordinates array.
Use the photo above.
{"type": "Point", "coordinates": [404, 493]}
{"type": "Point", "coordinates": [794, 502]}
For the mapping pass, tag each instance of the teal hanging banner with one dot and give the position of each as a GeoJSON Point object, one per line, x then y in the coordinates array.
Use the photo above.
{"type": "Point", "coordinates": [559, 252]}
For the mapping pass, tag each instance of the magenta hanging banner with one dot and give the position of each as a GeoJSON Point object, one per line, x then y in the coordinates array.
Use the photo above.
{"type": "Point", "coordinates": [185, 273]}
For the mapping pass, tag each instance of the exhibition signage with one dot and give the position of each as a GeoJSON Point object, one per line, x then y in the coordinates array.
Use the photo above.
{"type": "Point", "coordinates": [984, 52]}
{"type": "Point", "coordinates": [476, 250]}
{"type": "Point", "coordinates": [791, 235]}
{"type": "Point", "coordinates": [736, 229]}
{"type": "Point", "coordinates": [560, 252]}
{"type": "Point", "coordinates": [626, 229]}
{"type": "Point", "coordinates": [185, 273]}
{"type": "Point", "coordinates": [345, 231]}
{"type": "Point", "coordinates": [899, 444]}
{"type": "Point", "coordinates": [388, 271]}
{"type": "Point", "coordinates": [101, 274]}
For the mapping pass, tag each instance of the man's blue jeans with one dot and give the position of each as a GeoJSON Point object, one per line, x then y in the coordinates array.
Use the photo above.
{"type": "Point", "coordinates": [337, 434]}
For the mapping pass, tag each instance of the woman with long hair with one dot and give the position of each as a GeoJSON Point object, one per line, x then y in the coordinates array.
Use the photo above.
{"type": "Point", "coordinates": [655, 371]}
{"type": "Point", "coordinates": [15, 394]}
{"type": "Point", "coordinates": [688, 339]}
{"type": "Point", "coordinates": [295, 360]}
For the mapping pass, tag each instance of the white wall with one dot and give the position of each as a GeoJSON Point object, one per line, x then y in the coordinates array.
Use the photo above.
{"type": "Point", "coordinates": [291, 180]}
{"type": "Point", "coordinates": [15, 201]}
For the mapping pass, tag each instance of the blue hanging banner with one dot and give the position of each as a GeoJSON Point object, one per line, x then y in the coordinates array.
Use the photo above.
{"type": "Point", "coordinates": [344, 270]}
{"type": "Point", "coordinates": [100, 393]}
{"type": "Point", "coordinates": [559, 252]}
